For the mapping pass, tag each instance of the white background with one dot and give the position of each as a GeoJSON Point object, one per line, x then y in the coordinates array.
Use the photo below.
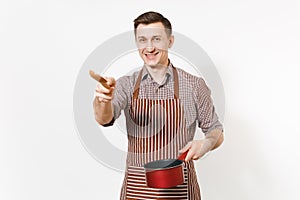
{"type": "Point", "coordinates": [254, 44]}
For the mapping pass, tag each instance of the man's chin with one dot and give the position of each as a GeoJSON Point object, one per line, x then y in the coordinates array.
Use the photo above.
{"type": "Point", "coordinates": [152, 64]}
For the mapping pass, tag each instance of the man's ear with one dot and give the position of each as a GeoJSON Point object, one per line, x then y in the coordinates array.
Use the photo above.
{"type": "Point", "coordinates": [171, 41]}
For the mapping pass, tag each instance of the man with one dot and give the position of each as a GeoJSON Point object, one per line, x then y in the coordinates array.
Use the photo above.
{"type": "Point", "coordinates": [162, 104]}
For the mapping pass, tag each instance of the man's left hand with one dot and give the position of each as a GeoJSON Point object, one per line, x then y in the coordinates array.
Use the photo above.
{"type": "Point", "coordinates": [197, 149]}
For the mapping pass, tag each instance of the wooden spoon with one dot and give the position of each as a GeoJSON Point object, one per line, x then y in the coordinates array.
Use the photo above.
{"type": "Point", "coordinates": [99, 78]}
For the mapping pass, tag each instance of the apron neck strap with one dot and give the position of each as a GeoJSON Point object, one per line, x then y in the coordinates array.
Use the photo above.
{"type": "Point", "coordinates": [138, 82]}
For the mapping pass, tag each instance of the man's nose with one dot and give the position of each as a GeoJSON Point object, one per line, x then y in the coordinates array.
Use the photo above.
{"type": "Point", "coordinates": [149, 46]}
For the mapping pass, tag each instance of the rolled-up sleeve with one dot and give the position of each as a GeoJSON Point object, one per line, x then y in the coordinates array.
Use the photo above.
{"type": "Point", "coordinates": [207, 117]}
{"type": "Point", "coordinates": [120, 101]}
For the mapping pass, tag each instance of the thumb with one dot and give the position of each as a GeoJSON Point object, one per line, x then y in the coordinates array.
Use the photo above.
{"type": "Point", "coordinates": [187, 147]}
{"type": "Point", "coordinates": [110, 81]}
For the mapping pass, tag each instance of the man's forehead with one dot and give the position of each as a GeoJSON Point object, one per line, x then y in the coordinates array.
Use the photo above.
{"type": "Point", "coordinates": [151, 25]}
{"type": "Point", "coordinates": [150, 30]}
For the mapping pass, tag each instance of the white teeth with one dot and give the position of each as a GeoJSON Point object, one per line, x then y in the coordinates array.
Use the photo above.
{"type": "Point", "coordinates": [152, 53]}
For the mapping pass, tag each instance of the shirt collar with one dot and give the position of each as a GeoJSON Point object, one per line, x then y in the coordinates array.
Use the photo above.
{"type": "Point", "coordinates": [169, 73]}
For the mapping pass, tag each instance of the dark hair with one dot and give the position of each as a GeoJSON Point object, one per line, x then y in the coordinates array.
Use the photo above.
{"type": "Point", "coordinates": [153, 17]}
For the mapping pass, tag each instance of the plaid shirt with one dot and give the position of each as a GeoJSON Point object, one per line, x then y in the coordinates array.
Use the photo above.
{"type": "Point", "coordinates": [193, 94]}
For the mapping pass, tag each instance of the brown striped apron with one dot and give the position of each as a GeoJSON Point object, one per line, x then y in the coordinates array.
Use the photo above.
{"type": "Point", "coordinates": [159, 132]}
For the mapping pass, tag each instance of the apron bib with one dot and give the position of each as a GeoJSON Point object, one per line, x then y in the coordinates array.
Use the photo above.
{"type": "Point", "coordinates": [159, 132]}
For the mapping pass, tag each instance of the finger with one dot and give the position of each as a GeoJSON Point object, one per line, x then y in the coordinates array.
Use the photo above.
{"type": "Point", "coordinates": [99, 78]}
{"type": "Point", "coordinates": [187, 147]}
{"type": "Point", "coordinates": [104, 100]}
{"type": "Point", "coordinates": [190, 155]}
{"type": "Point", "coordinates": [198, 151]}
{"type": "Point", "coordinates": [103, 81]}
{"type": "Point", "coordinates": [102, 89]}
{"type": "Point", "coordinates": [194, 151]}
{"type": "Point", "coordinates": [94, 75]}
{"type": "Point", "coordinates": [103, 96]}
{"type": "Point", "coordinates": [196, 157]}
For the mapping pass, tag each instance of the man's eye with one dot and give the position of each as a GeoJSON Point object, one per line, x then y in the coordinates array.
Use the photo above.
{"type": "Point", "coordinates": [142, 40]}
{"type": "Point", "coordinates": [157, 39]}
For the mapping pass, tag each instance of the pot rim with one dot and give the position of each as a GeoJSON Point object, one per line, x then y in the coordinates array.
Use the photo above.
{"type": "Point", "coordinates": [162, 168]}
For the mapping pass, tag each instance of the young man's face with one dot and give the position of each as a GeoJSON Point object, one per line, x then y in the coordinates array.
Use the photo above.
{"type": "Point", "coordinates": [153, 43]}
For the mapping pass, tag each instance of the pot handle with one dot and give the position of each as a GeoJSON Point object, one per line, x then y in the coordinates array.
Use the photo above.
{"type": "Point", "coordinates": [182, 156]}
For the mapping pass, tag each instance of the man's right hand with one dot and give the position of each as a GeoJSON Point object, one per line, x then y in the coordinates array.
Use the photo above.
{"type": "Point", "coordinates": [103, 94]}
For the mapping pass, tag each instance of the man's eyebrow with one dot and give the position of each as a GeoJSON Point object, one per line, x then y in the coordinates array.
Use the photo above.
{"type": "Point", "coordinates": [141, 36]}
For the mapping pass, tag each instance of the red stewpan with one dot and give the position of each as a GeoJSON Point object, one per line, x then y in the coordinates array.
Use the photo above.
{"type": "Point", "coordinates": [165, 173]}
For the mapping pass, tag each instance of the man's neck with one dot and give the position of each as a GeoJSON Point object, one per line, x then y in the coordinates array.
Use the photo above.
{"type": "Point", "coordinates": [157, 72]}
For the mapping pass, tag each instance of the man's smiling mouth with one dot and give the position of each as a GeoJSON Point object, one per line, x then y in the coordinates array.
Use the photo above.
{"type": "Point", "coordinates": [151, 55]}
